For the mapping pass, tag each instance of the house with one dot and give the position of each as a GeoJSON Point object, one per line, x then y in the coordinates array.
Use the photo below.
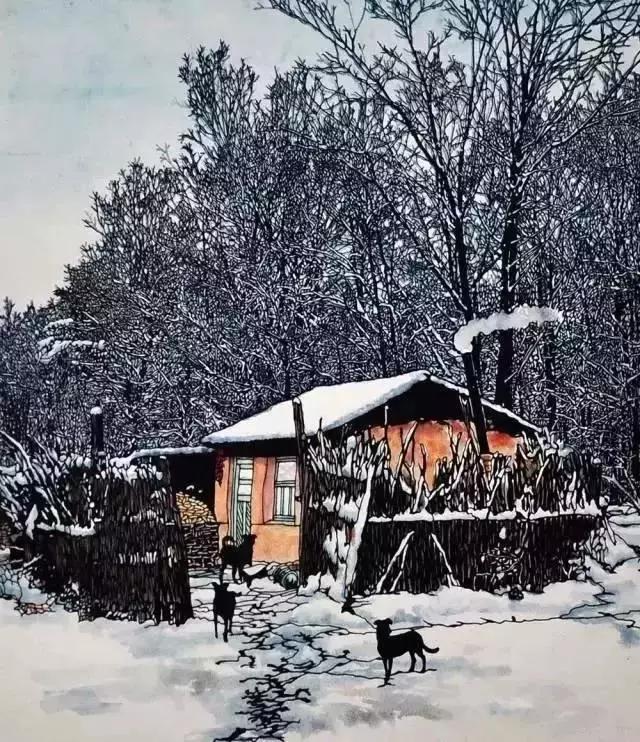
{"type": "Point", "coordinates": [257, 477]}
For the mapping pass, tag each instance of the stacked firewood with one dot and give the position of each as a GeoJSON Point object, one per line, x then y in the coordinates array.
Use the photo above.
{"type": "Point", "coordinates": [200, 531]}
{"type": "Point", "coordinates": [193, 511]}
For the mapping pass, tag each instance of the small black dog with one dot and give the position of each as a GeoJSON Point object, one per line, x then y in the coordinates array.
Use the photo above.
{"type": "Point", "coordinates": [236, 556]}
{"type": "Point", "coordinates": [224, 605]}
{"type": "Point", "coordinates": [395, 646]}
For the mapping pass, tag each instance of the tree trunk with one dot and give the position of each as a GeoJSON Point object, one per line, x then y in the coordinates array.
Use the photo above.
{"type": "Point", "coordinates": [471, 368]}
{"type": "Point", "coordinates": [549, 350]}
{"type": "Point", "coordinates": [286, 367]}
{"type": "Point", "coordinates": [635, 439]}
{"type": "Point", "coordinates": [475, 399]}
{"type": "Point", "coordinates": [634, 392]}
{"type": "Point", "coordinates": [97, 435]}
{"type": "Point", "coordinates": [509, 276]}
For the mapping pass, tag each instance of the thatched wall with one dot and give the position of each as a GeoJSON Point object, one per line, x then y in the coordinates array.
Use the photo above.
{"type": "Point", "coordinates": [470, 553]}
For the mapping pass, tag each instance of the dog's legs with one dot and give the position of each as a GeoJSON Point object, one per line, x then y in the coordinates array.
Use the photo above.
{"type": "Point", "coordinates": [226, 633]}
{"type": "Point", "coordinates": [231, 625]}
{"type": "Point", "coordinates": [424, 660]}
{"type": "Point", "coordinates": [215, 622]}
{"type": "Point", "coordinates": [413, 662]}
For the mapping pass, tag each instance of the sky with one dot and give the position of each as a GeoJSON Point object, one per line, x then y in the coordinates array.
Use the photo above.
{"type": "Point", "coordinates": [85, 87]}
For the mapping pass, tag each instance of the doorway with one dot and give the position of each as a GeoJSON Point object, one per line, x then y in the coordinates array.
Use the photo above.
{"type": "Point", "coordinates": [241, 502]}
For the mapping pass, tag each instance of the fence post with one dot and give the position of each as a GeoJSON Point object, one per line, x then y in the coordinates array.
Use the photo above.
{"type": "Point", "coordinates": [97, 435]}
{"type": "Point", "coordinates": [301, 440]}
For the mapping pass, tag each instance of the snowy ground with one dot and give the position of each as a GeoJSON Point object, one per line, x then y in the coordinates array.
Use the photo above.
{"type": "Point", "coordinates": [298, 669]}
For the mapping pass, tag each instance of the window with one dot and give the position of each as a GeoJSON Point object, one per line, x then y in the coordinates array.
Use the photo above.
{"type": "Point", "coordinates": [285, 491]}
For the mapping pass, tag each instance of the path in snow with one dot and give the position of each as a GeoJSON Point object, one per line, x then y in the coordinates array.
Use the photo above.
{"type": "Point", "coordinates": [276, 656]}
{"type": "Point", "coordinates": [107, 681]}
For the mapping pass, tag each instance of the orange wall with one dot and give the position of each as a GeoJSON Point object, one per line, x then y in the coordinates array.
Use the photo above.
{"type": "Point", "coordinates": [434, 436]}
{"type": "Point", "coordinates": [276, 542]}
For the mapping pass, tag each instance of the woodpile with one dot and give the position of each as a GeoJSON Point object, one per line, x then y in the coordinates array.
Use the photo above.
{"type": "Point", "coordinates": [193, 511]}
{"type": "Point", "coordinates": [200, 531]}
{"type": "Point", "coordinates": [201, 540]}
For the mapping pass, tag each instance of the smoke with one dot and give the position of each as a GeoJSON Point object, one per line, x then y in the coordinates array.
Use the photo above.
{"type": "Point", "coordinates": [518, 319]}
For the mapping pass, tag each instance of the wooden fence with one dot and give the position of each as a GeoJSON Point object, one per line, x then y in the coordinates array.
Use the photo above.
{"type": "Point", "coordinates": [134, 564]}
{"type": "Point", "coordinates": [373, 528]}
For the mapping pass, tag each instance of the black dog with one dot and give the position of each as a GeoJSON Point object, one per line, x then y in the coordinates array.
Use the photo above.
{"type": "Point", "coordinates": [236, 556]}
{"type": "Point", "coordinates": [224, 605]}
{"type": "Point", "coordinates": [395, 646]}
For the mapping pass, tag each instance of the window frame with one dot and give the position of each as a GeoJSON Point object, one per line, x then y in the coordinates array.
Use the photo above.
{"type": "Point", "coordinates": [279, 486]}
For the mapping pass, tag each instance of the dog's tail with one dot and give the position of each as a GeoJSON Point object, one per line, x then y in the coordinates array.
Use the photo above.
{"type": "Point", "coordinates": [429, 650]}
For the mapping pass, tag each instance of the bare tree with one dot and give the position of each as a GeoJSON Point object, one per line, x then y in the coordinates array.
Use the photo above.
{"type": "Point", "coordinates": [528, 78]}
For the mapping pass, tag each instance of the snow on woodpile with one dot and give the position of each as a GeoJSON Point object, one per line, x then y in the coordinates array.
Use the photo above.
{"type": "Point", "coordinates": [39, 489]}
{"type": "Point", "coordinates": [590, 510]}
{"type": "Point", "coordinates": [110, 527]}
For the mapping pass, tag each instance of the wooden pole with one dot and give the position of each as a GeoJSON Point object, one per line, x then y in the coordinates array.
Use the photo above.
{"type": "Point", "coordinates": [477, 408]}
{"type": "Point", "coordinates": [97, 434]}
{"type": "Point", "coordinates": [301, 440]}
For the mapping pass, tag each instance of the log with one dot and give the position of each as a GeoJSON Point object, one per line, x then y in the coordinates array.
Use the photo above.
{"type": "Point", "coordinates": [400, 551]}
{"type": "Point", "coordinates": [451, 580]}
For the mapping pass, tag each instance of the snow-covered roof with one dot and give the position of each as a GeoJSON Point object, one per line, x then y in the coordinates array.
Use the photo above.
{"type": "Point", "coordinates": [158, 452]}
{"type": "Point", "coordinates": [330, 407]}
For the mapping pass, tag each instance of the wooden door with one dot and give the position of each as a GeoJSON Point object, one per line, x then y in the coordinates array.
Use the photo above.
{"type": "Point", "coordinates": [241, 511]}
